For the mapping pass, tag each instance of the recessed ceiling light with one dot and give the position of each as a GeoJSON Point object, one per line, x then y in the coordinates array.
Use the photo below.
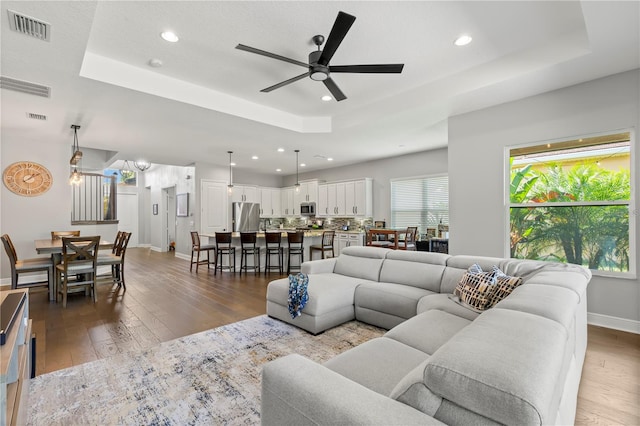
{"type": "Point", "coordinates": [169, 36]}
{"type": "Point", "coordinates": [232, 164]}
{"type": "Point", "coordinates": [255, 157]}
{"type": "Point", "coordinates": [156, 63]}
{"type": "Point", "coordinates": [463, 40]}
{"type": "Point", "coordinates": [278, 170]}
{"type": "Point", "coordinates": [329, 159]}
{"type": "Point", "coordinates": [303, 165]}
{"type": "Point", "coordinates": [280, 149]}
{"type": "Point", "coordinates": [326, 98]}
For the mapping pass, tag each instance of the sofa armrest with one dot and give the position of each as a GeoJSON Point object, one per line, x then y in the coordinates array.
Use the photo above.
{"type": "Point", "coordinates": [321, 266]}
{"type": "Point", "coordinates": [298, 391]}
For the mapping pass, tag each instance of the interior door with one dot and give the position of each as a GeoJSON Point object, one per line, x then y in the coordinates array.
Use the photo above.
{"type": "Point", "coordinates": [128, 216]}
{"type": "Point", "coordinates": [214, 205]}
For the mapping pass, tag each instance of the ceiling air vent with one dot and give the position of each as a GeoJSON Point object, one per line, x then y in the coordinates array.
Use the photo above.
{"type": "Point", "coordinates": [37, 116]}
{"type": "Point", "coordinates": [25, 87]}
{"type": "Point", "coordinates": [29, 26]}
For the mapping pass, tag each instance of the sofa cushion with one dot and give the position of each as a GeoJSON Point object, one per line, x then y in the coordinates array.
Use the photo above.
{"type": "Point", "coordinates": [505, 366]}
{"type": "Point", "coordinates": [379, 364]}
{"type": "Point", "coordinates": [444, 302]}
{"type": "Point", "coordinates": [428, 331]}
{"type": "Point", "coordinates": [417, 269]}
{"type": "Point", "coordinates": [395, 299]}
{"type": "Point", "coordinates": [556, 303]}
{"type": "Point", "coordinates": [327, 292]}
{"type": "Point", "coordinates": [360, 262]}
{"type": "Point", "coordinates": [412, 391]}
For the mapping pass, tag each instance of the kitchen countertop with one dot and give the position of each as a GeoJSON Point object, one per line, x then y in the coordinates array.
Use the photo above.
{"type": "Point", "coordinates": [307, 233]}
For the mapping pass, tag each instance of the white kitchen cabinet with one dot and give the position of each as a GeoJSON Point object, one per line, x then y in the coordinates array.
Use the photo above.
{"type": "Point", "coordinates": [358, 198]}
{"type": "Point", "coordinates": [270, 202]}
{"type": "Point", "coordinates": [245, 194]}
{"type": "Point", "coordinates": [289, 207]}
{"type": "Point", "coordinates": [348, 239]}
{"type": "Point", "coordinates": [322, 206]}
{"type": "Point", "coordinates": [307, 193]}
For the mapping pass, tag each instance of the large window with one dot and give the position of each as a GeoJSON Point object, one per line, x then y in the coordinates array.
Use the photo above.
{"type": "Point", "coordinates": [422, 202]}
{"type": "Point", "coordinates": [570, 201]}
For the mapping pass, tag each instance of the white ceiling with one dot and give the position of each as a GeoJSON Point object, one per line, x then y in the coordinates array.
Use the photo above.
{"type": "Point", "coordinates": [206, 99]}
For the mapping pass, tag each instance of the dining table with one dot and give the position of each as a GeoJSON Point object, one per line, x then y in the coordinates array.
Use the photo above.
{"type": "Point", "coordinates": [380, 237]}
{"type": "Point", "coordinates": [54, 248]}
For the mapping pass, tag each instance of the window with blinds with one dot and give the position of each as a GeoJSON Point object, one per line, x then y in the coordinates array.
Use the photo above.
{"type": "Point", "coordinates": [420, 201]}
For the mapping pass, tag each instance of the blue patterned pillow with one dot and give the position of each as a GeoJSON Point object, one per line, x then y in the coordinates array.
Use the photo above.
{"type": "Point", "coordinates": [298, 295]}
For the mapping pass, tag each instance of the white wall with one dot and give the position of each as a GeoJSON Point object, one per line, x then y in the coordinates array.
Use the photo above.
{"type": "Point", "coordinates": [156, 179]}
{"type": "Point", "coordinates": [26, 219]}
{"type": "Point", "coordinates": [477, 144]}
{"type": "Point", "coordinates": [382, 171]}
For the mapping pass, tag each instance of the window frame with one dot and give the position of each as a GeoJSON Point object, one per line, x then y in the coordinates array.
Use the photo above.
{"type": "Point", "coordinates": [633, 212]}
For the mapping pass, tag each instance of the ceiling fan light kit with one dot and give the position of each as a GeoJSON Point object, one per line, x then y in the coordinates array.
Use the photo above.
{"type": "Point", "coordinates": [318, 67]}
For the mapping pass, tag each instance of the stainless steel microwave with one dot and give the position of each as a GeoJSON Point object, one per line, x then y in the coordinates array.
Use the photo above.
{"type": "Point", "coordinates": [308, 209]}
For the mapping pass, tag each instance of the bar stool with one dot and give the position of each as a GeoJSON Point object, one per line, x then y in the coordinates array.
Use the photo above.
{"type": "Point", "coordinates": [248, 247]}
{"type": "Point", "coordinates": [325, 245]}
{"type": "Point", "coordinates": [197, 247]}
{"type": "Point", "coordinates": [272, 242]}
{"type": "Point", "coordinates": [296, 242]}
{"type": "Point", "coordinates": [224, 247]}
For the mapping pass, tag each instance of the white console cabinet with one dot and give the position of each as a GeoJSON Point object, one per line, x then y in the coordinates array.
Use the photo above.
{"type": "Point", "coordinates": [15, 362]}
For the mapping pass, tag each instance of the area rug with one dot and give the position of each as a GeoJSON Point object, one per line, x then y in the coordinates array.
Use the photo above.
{"type": "Point", "coordinates": [212, 377]}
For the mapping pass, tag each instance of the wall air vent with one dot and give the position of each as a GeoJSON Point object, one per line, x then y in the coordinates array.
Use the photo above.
{"type": "Point", "coordinates": [37, 116]}
{"type": "Point", "coordinates": [25, 87]}
{"type": "Point", "coordinates": [29, 26]}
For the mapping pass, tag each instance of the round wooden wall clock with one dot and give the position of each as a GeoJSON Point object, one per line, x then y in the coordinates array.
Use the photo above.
{"type": "Point", "coordinates": [27, 178]}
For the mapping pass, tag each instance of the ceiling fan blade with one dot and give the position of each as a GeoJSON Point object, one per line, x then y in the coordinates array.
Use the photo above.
{"type": "Point", "coordinates": [380, 68]}
{"type": "Point", "coordinates": [284, 83]}
{"type": "Point", "coordinates": [334, 89]}
{"type": "Point", "coordinates": [270, 55]}
{"type": "Point", "coordinates": [338, 32]}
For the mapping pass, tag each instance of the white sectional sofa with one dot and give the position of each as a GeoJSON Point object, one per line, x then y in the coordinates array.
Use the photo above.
{"type": "Point", "coordinates": [518, 362]}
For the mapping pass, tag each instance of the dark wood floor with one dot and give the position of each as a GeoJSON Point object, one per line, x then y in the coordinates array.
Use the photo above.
{"type": "Point", "coordinates": [165, 301]}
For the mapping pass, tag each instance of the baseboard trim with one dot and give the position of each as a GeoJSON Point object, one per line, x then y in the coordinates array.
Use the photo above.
{"type": "Point", "coordinates": [182, 256]}
{"type": "Point", "coordinates": [615, 323]}
{"type": "Point", "coordinates": [144, 245]}
{"type": "Point", "coordinates": [158, 249]}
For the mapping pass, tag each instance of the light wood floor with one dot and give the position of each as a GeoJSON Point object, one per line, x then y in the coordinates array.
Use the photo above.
{"type": "Point", "coordinates": [165, 301]}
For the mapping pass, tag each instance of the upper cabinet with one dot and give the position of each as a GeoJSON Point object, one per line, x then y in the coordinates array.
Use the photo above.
{"type": "Point", "coordinates": [346, 199]}
{"type": "Point", "coordinates": [289, 207]}
{"type": "Point", "coordinates": [308, 192]}
{"type": "Point", "coordinates": [245, 194]}
{"type": "Point", "coordinates": [270, 202]}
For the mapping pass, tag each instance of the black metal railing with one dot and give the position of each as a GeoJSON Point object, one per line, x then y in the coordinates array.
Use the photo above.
{"type": "Point", "coordinates": [93, 201]}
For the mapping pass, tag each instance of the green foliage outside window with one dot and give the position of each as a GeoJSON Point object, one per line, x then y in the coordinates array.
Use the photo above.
{"type": "Point", "coordinates": [590, 224]}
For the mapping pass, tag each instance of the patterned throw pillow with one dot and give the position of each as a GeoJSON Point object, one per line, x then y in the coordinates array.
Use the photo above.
{"type": "Point", "coordinates": [476, 287]}
{"type": "Point", "coordinates": [298, 295]}
{"type": "Point", "coordinates": [505, 285]}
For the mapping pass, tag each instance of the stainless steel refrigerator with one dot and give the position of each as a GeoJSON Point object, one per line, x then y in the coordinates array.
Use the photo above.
{"type": "Point", "coordinates": [246, 217]}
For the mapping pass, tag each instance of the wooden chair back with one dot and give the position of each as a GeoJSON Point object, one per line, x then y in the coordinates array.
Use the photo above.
{"type": "Point", "coordinates": [195, 239]}
{"type": "Point", "coordinates": [11, 250]}
{"type": "Point", "coordinates": [327, 238]}
{"type": "Point", "coordinates": [272, 239]}
{"type": "Point", "coordinates": [223, 240]}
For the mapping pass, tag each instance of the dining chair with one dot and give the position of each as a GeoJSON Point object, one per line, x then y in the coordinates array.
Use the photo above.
{"type": "Point", "coordinates": [198, 247]}
{"type": "Point", "coordinates": [115, 259]}
{"type": "Point", "coordinates": [295, 240]}
{"type": "Point", "coordinates": [78, 267]}
{"type": "Point", "coordinates": [272, 242]}
{"type": "Point", "coordinates": [409, 242]}
{"type": "Point", "coordinates": [18, 266]}
{"type": "Point", "coordinates": [248, 247]}
{"type": "Point", "coordinates": [56, 235]}
{"type": "Point", "coordinates": [325, 245]}
{"type": "Point", "coordinates": [224, 247]}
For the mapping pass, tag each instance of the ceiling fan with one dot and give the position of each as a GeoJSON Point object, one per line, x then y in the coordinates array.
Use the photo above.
{"type": "Point", "coordinates": [318, 68]}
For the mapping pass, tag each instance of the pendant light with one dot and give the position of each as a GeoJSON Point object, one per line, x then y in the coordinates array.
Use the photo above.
{"type": "Point", "coordinates": [76, 177]}
{"type": "Point", "coordinates": [126, 167]}
{"type": "Point", "coordinates": [297, 151]}
{"type": "Point", "coordinates": [230, 186]}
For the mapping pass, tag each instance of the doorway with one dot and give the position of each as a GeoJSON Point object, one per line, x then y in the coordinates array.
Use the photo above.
{"type": "Point", "coordinates": [169, 217]}
{"type": "Point", "coordinates": [128, 216]}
